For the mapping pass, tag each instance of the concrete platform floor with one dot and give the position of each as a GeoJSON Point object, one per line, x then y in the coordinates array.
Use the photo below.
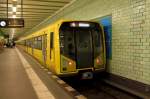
{"type": "Point", "coordinates": [15, 83]}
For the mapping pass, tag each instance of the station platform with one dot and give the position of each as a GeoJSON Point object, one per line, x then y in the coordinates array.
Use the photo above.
{"type": "Point", "coordinates": [22, 78]}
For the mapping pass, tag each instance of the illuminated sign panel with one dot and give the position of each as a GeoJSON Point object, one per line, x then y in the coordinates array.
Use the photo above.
{"type": "Point", "coordinates": [11, 22]}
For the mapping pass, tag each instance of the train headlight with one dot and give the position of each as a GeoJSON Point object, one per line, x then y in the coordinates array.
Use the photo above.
{"type": "Point", "coordinates": [70, 63]}
{"type": "Point", "coordinates": [73, 25]}
{"type": "Point", "coordinates": [98, 62]}
{"type": "Point", "coordinates": [67, 65]}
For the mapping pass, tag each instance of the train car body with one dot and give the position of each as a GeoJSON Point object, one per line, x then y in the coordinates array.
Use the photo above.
{"type": "Point", "coordinates": [2, 41]}
{"type": "Point", "coordinates": [68, 47]}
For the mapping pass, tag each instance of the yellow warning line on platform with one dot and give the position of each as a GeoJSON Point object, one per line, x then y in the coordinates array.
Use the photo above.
{"type": "Point", "coordinates": [39, 87]}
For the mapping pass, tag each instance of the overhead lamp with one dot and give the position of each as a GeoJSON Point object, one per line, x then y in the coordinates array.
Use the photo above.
{"type": "Point", "coordinates": [14, 0]}
{"type": "Point", "coordinates": [14, 9]}
{"type": "Point", "coordinates": [14, 13]}
{"type": "Point", "coordinates": [13, 33]}
{"type": "Point", "coordinates": [84, 25]}
{"type": "Point", "coordinates": [14, 16]}
{"type": "Point", "coordinates": [12, 36]}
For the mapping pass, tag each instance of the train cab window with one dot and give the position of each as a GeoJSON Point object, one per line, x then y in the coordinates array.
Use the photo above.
{"type": "Point", "coordinates": [67, 42]}
{"type": "Point", "coordinates": [69, 39]}
{"type": "Point", "coordinates": [70, 46]}
{"type": "Point", "coordinates": [97, 41]}
{"type": "Point", "coordinates": [70, 32]}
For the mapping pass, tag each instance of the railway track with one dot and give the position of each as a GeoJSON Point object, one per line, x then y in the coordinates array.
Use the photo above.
{"type": "Point", "coordinates": [98, 89]}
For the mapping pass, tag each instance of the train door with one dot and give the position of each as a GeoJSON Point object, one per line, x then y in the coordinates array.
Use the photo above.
{"type": "Point", "coordinates": [84, 51]}
{"type": "Point", "coordinates": [44, 48]}
{"type": "Point", "coordinates": [51, 46]}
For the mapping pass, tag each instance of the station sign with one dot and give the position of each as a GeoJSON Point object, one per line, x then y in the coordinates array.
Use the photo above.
{"type": "Point", "coordinates": [11, 22]}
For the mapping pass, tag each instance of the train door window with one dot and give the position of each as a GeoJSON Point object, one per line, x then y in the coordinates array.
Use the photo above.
{"type": "Point", "coordinates": [51, 43]}
{"type": "Point", "coordinates": [51, 39]}
{"type": "Point", "coordinates": [45, 41]}
{"type": "Point", "coordinates": [44, 46]}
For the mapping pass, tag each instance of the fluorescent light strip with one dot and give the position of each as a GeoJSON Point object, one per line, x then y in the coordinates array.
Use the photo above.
{"type": "Point", "coordinates": [14, 16]}
{"type": "Point", "coordinates": [14, 9]}
{"type": "Point", "coordinates": [12, 33]}
{"type": "Point", "coordinates": [84, 25]}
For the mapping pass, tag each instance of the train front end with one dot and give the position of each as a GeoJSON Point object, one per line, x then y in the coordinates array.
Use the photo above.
{"type": "Point", "coordinates": [82, 48]}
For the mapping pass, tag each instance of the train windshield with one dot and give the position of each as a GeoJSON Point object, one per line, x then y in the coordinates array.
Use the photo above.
{"type": "Point", "coordinates": [79, 38]}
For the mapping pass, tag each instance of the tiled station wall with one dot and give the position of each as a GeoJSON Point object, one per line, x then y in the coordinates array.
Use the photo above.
{"type": "Point", "coordinates": [130, 33]}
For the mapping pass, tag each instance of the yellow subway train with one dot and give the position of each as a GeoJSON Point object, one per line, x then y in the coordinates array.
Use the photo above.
{"type": "Point", "coordinates": [2, 41]}
{"type": "Point", "coordinates": [68, 47]}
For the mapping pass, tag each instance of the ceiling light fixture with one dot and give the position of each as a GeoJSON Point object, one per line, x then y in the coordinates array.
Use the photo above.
{"type": "Point", "coordinates": [13, 32]}
{"type": "Point", "coordinates": [14, 16]}
{"type": "Point", "coordinates": [14, 9]}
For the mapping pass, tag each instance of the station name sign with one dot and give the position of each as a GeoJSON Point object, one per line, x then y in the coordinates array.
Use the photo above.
{"type": "Point", "coordinates": [11, 22]}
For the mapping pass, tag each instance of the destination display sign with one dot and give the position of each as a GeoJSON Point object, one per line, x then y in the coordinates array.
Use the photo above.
{"type": "Point", "coordinates": [11, 22]}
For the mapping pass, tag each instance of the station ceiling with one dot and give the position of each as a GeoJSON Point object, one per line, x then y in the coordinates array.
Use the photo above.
{"type": "Point", "coordinates": [34, 12]}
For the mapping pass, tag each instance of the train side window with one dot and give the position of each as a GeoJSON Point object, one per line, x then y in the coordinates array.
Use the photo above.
{"type": "Point", "coordinates": [30, 42]}
{"type": "Point", "coordinates": [38, 43]}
